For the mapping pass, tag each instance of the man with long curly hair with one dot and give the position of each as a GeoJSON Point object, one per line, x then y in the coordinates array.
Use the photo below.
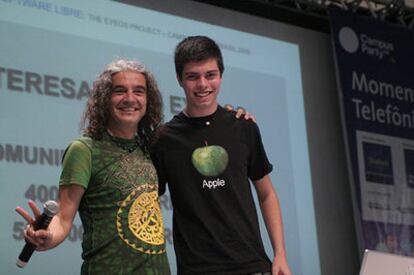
{"type": "Point", "coordinates": [109, 178]}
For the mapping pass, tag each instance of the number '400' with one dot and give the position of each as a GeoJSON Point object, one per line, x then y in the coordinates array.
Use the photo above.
{"type": "Point", "coordinates": [41, 193]}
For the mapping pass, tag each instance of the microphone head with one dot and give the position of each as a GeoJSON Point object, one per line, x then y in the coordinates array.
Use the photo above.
{"type": "Point", "coordinates": [51, 208]}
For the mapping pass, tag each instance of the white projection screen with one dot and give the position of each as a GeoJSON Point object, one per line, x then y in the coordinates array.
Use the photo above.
{"type": "Point", "coordinates": [50, 53]}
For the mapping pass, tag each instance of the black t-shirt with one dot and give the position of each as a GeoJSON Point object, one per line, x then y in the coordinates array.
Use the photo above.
{"type": "Point", "coordinates": [207, 163]}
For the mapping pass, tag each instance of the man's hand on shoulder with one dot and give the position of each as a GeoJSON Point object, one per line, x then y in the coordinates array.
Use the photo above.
{"type": "Point", "coordinates": [240, 112]}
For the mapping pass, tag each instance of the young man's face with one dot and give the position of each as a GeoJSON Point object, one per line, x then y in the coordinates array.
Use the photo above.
{"type": "Point", "coordinates": [128, 101]}
{"type": "Point", "coordinates": [201, 83]}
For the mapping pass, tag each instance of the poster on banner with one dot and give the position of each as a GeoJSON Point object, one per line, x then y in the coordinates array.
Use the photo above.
{"type": "Point", "coordinates": [374, 70]}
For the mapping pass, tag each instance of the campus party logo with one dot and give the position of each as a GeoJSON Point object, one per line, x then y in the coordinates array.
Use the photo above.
{"type": "Point", "coordinates": [351, 42]}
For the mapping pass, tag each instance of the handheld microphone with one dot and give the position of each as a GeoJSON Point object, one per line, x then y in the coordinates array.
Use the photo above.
{"type": "Point", "coordinates": [51, 208]}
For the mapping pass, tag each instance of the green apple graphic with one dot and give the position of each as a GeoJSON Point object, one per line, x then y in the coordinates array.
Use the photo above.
{"type": "Point", "coordinates": [210, 160]}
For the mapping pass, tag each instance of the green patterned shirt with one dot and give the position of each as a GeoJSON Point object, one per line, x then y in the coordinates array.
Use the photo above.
{"type": "Point", "coordinates": [120, 209]}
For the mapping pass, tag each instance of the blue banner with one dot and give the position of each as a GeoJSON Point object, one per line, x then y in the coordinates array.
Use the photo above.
{"type": "Point", "coordinates": [374, 67]}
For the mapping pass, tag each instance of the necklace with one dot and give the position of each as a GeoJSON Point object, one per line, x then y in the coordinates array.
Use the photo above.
{"type": "Point", "coordinates": [126, 146]}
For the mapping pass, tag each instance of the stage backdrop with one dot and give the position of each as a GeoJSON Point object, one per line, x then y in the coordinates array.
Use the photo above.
{"type": "Point", "coordinates": [374, 67]}
{"type": "Point", "coordinates": [51, 51]}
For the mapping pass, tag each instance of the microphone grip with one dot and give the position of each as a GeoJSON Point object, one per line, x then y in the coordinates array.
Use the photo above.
{"type": "Point", "coordinates": [42, 222]}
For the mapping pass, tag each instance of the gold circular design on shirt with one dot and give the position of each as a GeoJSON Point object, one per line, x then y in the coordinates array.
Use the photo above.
{"type": "Point", "coordinates": [145, 219]}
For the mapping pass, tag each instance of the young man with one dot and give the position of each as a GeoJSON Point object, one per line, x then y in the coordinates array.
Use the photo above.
{"type": "Point", "coordinates": [109, 178]}
{"type": "Point", "coordinates": [207, 157]}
